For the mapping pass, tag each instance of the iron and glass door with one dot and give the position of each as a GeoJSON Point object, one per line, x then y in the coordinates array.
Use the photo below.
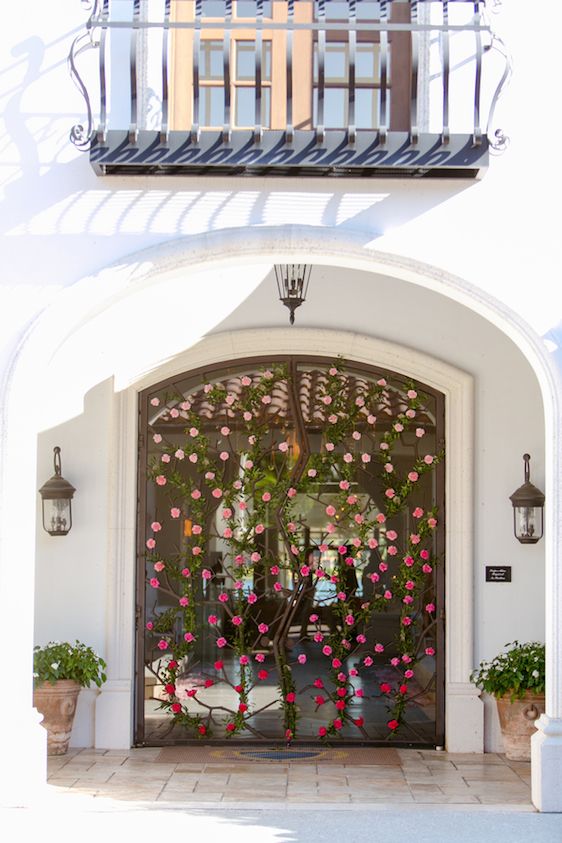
{"type": "Point", "coordinates": [290, 555]}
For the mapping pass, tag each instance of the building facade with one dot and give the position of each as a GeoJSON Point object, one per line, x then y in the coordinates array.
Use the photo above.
{"type": "Point", "coordinates": [378, 143]}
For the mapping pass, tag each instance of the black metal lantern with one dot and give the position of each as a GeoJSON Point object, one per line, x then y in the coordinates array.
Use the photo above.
{"type": "Point", "coordinates": [528, 505]}
{"type": "Point", "coordinates": [56, 495]}
{"type": "Point", "coordinates": [292, 283]}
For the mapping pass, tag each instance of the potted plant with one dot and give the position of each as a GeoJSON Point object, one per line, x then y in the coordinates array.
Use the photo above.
{"type": "Point", "coordinates": [59, 671]}
{"type": "Point", "coordinates": [516, 679]}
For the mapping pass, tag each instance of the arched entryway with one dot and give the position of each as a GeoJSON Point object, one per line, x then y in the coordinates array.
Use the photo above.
{"type": "Point", "coordinates": [291, 540]}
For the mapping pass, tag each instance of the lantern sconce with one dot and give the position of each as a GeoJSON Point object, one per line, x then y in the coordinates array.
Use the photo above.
{"type": "Point", "coordinates": [292, 284]}
{"type": "Point", "coordinates": [528, 506]}
{"type": "Point", "coordinates": [56, 495]}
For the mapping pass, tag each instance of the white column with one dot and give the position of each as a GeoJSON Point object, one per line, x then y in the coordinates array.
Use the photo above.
{"type": "Point", "coordinates": [114, 705]}
{"type": "Point", "coordinates": [546, 743]}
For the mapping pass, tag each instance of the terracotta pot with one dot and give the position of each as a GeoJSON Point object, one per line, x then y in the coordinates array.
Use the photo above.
{"type": "Point", "coordinates": [57, 704]}
{"type": "Point", "coordinates": [517, 721]}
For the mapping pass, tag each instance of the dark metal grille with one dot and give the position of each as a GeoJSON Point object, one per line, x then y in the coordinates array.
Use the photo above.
{"type": "Point", "coordinates": [417, 47]}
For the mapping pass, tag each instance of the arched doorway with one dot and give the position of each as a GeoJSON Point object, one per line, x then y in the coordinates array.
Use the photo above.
{"type": "Point", "coordinates": [291, 555]}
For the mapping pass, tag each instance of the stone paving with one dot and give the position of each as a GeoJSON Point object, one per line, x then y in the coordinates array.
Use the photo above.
{"type": "Point", "coordinates": [423, 777]}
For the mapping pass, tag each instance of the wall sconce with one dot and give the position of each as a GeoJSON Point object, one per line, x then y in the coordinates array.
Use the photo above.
{"type": "Point", "coordinates": [56, 495]}
{"type": "Point", "coordinates": [292, 284]}
{"type": "Point", "coordinates": [528, 505]}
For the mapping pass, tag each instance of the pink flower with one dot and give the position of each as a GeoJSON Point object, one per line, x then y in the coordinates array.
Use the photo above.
{"type": "Point", "coordinates": [350, 620]}
{"type": "Point", "coordinates": [157, 438]}
{"type": "Point", "coordinates": [336, 663]}
{"type": "Point", "coordinates": [266, 399]}
{"type": "Point", "coordinates": [344, 485]}
{"type": "Point", "coordinates": [277, 586]}
{"type": "Point", "coordinates": [367, 661]}
{"type": "Point", "coordinates": [330, 511]}
{"type": "Point", "coordinates": [379, 648]}
{"type": "Point", "coordinates": [263, 628]}
{"type": "Point", "coordinates": [387, 595]}
{"type": "Point", "coordinates": [432, 522]}
{"type": "Point", "coordinates": [338, 724]}
{"type": "Point", "coordinates": [227, 533]}
{"type": "Point", "coordinates": [418, 512]}
{"type": "Point", "coordinates": [255, 556]}
{"type": "Point", "coordinates": [189, 637]}
{"type": "Point", "coordinates": [428, 459]}
{"type": "Point", "coordinates": [274, 570]}
{"type": "Point", "coordinates": [395, 661]}
{"type": "Point", "coordinates": [193, 458]}
{"type": "Point", "coordinates": [323, 548]}
{"type": "Point", "coordinates": [159, 566]}
{"type": "Point", "coordinates": [413, 476]}
{"type": "Point", "coordinates": [165, 458]}
{"type": "Point", "coordinates": [221, 642]}
{"type": "Point", "coordinates": [360, 401]}
{"type": "Point", "coordinates": [420, 432]}
{"type": "Point", "coordinates": [154, 582]}
{"type": "Point", "coordinates": [406, 621]}
{"type": "Point", "coordinates": [151, 544]}
{"type": "Point", "coordinates": [412, 394]}
{"type": "Point", "coordinates": [196, 551]}
{"type": "Point", "coordinates": [365, 458]}
{"type": "Point", "coordinates": [183, 601]}
{"type": "Point", "coordinates": [312, 472]}
{"type": "Point", "coordinates": [374, 577]}
{"type": "Point", "coordinates": [247, 416]}
{"type": "Point", "coordinates": [332, 371]}
{"type": "Point", "coordinates": [266, 497]}
{"type": "Point", "coordinates": [373, 543]}
{"type": "Point", "coordinates": [410, 585]}
{"type": "Point", "coordinates": [406, 658]}
{"type": "Point", "coordinates": [429, 651]}
{"type": "Point", "coordinates": [149, 625]}
{"type": "Point", "coordinates": [424, 554]}
{"type": "Point", "coordinates": [327, 650]}
{"type": "Point", "coordinates": [260, 657]}
{"type": "Point", "coordinates": [408, 561]}
{"type": "Point", "coordinates": [408, 600]}
{"type": "Point", "coordinates": [186, 572]}
{"type": "Point", "coordinates": [217, 493]}
{"type": "Point", "coordinates": [358, 518]}
{"type": "Point", "coordinates": [383, 567]}
{"type": "Point", "coordinates": [193, 432]}
{"type": "Point", "coordinates": [390, 493]}
{"type": "Point", "coordinates": [327, 400]}
{"type": "Point", "coordinates": [356, 435]}
{"type": "Point", "coordinates": [381, 382]}
{"type": "Point", "coordinates": [155, 402]}
{"type": "Point", "coordinates": [430, 607]}
{"type": "Point", "coordinates": [348, 457]}
{"type": "Point", "coordinates": [209, 475]}
{"type": "Point", "coordinates": [360, 638]}
{"type": "Point", "coordinates": [252, 598]}
{"type": "Point", "coordinates": [342, 596]}
{"type": "Point", "coordinates": [318, 683]}
{"type": "Point", "coordinates": [381, 518]}
{"type": "Point", "coordinates": [244, 660]}
{"type": "Point", "coordinates": [411, 414]}
{"type": "Point", "coordinates": [212, 619]}
{"type": "Point", "coordinates": [162, 644]}
{"type": "Point", "coordinates": [175, 512]}
{"type": "Point", "coordinates": [258, 529]}
{"type": "Point", "coordinates": [283, 447]}
{"type": "Point", "coordinates": [301, 658]}
{"type": "Point", "coordinates": [384, 446]}
{"type": "Point", "coordinates": [318, 637]}
{"type": "Point", "coordinates": [330, 446]}
{"type": "Point", "coordinates": [408, 674]}
{"type": "Point", "coordinates": [291, 492]}
{"type": "Point", "coordinates": [206, 574]}
{"type": "Point", "coordinates": [223, 597]}
{"type": "Point", "coordinates": [388, 467]}
{"type": "Point", "coordinates": [224, 455]}
{"type": "Point", "coordinates": [371, 419]}
{"type": "Point", "coordinates": [414, 538]}
{"type": "Point", "coordinates": [398, 427]}
{"type": "Point", "coordinates": [242, 506]}
{"type": "Point", "coordinates": [196, 494]}
{"type": "Point", "coordinates": [246, 381]}
{"type": "Point", "coordinates": [427, 569]}
{"type": "Point", "coordinates": [332, 418]}
{"type": "Point", "coordinates": [236, 620]}
{"type": "Point", "coordinates": [185, 405]}
{"type": "Point", "coordinates": [229, 400]}
{"type": "Point", "coordinates": [305, 570]}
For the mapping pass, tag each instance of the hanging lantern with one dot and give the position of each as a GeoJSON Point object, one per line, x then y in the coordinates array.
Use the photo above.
{"type": "Point", "coordinates": [56, 495]}
{"type": "Point", "coordinates": [528, 505]}
{"type": "Point", "coordinates": [292, 283]}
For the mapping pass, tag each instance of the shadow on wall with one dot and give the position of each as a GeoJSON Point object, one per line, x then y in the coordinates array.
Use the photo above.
{"type": "Point", "coordinates": [55, 192]}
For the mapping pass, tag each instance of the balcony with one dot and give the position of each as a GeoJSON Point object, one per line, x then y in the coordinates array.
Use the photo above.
{"type": "Point", "coordinates": [355, 88]}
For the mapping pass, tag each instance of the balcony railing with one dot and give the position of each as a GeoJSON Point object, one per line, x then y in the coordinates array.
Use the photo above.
{"type": "Point", "coordinates": [285, 87]}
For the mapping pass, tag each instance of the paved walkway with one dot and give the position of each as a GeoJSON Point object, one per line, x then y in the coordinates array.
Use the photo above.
{"type": "Point", "coordinates": [423, 777]}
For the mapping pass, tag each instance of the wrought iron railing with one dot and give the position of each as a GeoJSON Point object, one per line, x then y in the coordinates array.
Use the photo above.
{"type": "Point", "coordinates": [395, 86]}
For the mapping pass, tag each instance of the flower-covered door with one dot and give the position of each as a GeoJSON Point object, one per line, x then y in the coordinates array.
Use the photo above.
{"type": "Point", "coordinates": [291, 573]}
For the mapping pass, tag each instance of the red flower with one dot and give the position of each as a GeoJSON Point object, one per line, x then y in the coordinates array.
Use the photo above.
{"type": "Point", "coordinates": [341, 692]}
{"type": "Point", "coordinates": [385, 688]}
{"type": "Point", "coordinates": [359, 721]}
{"type": "Point", "coordinates": [202, 729]}
{"type": "Point", "coordinates": [192, 692]}
{"type": "Point", "coordinates": [176, 708]}
{"type": "Point", "coordinates": [338, 724]}
{"type": "Point", "coordinates": [319, 700]}
{"type": "Point", "coordinates": [403, 689]}
{"type": "Point", "coordinates": [340, 705]}
{"type": "Point", "coordinates": [290, 698]}
{"type": "Point", "coordinates": [219, 665]}
{"type": "Point", "coordinates": [262, 674]}
{"type": "Point", "coordinates": [318, 683]}
{"type": "Point", "coordinates": [322, 732]}
{"type": "Point", "coordinates": [242, 707]}
{"type": "Point", "coordinates": [170, 689]}
{"type": "Point", "coordinates": [208, 683]}
{"type": "Point", "coordinates": [172, 665]}
{"type": "Point", "coordinates": [230, 727]}
{"type": "Point", "coordinates": [393, 724]}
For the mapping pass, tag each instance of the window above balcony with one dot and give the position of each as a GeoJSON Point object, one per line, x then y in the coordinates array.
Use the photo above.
{"type": "Point", "coordinates": [290, 87]}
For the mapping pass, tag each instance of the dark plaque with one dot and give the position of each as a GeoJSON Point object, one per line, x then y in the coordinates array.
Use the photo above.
{"type": "Point", "coordinates": [498, 573]}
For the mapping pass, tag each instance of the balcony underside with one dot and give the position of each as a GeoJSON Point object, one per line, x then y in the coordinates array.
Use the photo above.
{"type": "Point", "coordinates": [244, 154]}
